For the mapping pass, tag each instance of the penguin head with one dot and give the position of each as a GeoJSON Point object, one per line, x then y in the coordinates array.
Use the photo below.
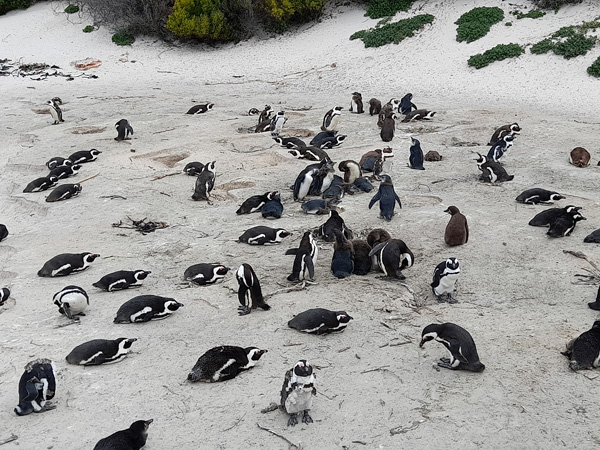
{"type": "Point", "coordinates": [570, 209]}
{"type": "Point", "coordinates": [53, 179]}
{"type": "Point", "coordinates": [126, 342]}
{"type": "Point", "coordinates": [221, 270]}
{"type": "Point", "coordinates": [303, 369]}
{"type": "Point", "coordinates": [514, 127]}
{"type": "Point", "coordinates": [430, 332]}
{"type": "Point", "coordinates": [254, 353]}
{"type": "Point", "coordinates": [281, 233]}
{"type": "Point", "coordinates": [386, 179]}
{"type": "Point", "coordinates": [95, 152]}
{"type": "Point", "coordinates": [337, 109]}
{"type": "Point", "coordinates": [341, 138]}
{"type": "Point", "coordinates": [343, 317]}
{"type": "Point", "coordinates": [272, 195]}
{"type": "Point", "coordinates": [210, 166]}
{"type": "Point", "coordinates": [210, 106]}
{"type": "Point", "coordinates": [556, 197]}
{"type": "Point", "coordinates": [481, 160]}
{"type": "Point", "coordinates": [408, 96]}
{"type": "Point", "coordinates": [596, 325]}
{"type": "Point", "coordinates": [415, 142]}
{"type": "Point", "coordinates": [75, 168]}
{"type": "Point", "coordinates": [77, 188]}
{"type": "Point", "coordinates": [57, 100]}
{"type": "Point", "coordinates": [452, 210]}
{"type": "Point", "coordinates": [295, 153]}
{"type": "Point", "coordinates": [90, 257]}
{"type": "Point", "coordinates": [173, 305]}
{"type": "Point", "coordinates": [141, 426]}
{"type": "Point", "coordinates": [452, 263]}
{"type": "Point", "coordinates": [141, 274]}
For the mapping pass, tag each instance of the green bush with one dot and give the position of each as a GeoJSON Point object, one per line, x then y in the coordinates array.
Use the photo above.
{"type": "Point", "coordinates": [392, 32]}
{"type": "Point", "coordinates": [542, 47]}
{"type": "Point", "coordinates": [497, 53]}
{"type": "Point", "coordinates": [88, 29]}
{"type": "Point", "coordinates": [123, 37]}
{"type": "Point", "coordinates": [577, 45]}
{"type": "Point", "coordinates": [9, 5]}
{"type": "Point", "coordinates": [533, 14]}
{"type": "Point", "coordinates": [553, 4]}
{"type": "Point", "coordinates": [476, 23]}
{"type": "Point", "coordinates": [278, 15]}
{"type": "Point", "coordinates": [383, 8]}
{"type": "Point", "coordinates": [594, 69]}
{"type": "Point", "coordinates": [72, 9]}
{"type": "Point", "coordinates": [200, 19]}
{"type": "Point", "coordinates": [508, 24]}
{"type": "Point", "coordinates": [568, 42]}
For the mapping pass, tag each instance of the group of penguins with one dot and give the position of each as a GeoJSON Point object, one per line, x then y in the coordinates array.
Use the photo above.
{"type": "Point", "coordinates": [379, 251]}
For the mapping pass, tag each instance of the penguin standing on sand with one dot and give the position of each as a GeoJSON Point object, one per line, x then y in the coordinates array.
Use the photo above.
{"type": "Point", "coordinates": [64, 192]}
{"type": "Point", "coordinates": [320, 321]}
{"type": "Point", "coordinates": [277, 123]}
{"type": "Point", "coordinates": [265, 114]}
{"type": "Point", "coordinates": [387, 198]}
{"type": "Point", "coordinates": [457, 230]}
{"type": "Point", "coordinates": [100, 351]}
{"type": "Point", "coordinates": [273, 208]}
{"type": "Point", "coordinates": [374, 107]}
{"type": "Point", "coordinates": [55, 111]}
{"type": "Point", "coordinates": [133, 438]}
{"type": "Point", "coordinates": [406, 105]}
{"type": "Point", "coordinates": [205, 273]}
{"type": "Point", "coordinates": [416, 155]}
{"type": "Point", "coordinates": [201, 109]}
{"type": "Point", "coordinates": [205, 182]}
{"type": "Point", "coordinates": [304, 181]}
{"type": "Point", "coordinates": [331, 119]}
{"type": "Point", "coordinates": [5, 294]}
{"type": "Point", "coordinates": [388, 128]}
{"type": "Point", "coordinates": [334, 223]}
{"type": "Point", "coordinates": [84, 156]}
{"type": "Point", "coordinates": [144, 308]}
{"type": "Point", "coordinates": [122, 279]}
{"type": "Point", "coordinates": [356, 104]}
{"type": "Point", "coordinates": [536, 196]}
{"type": "Point", "coordinates": [66, 263]}
{"type": "Point", "coordinates": [297, 392]}
{"type": "Point", "coordinates": [124, 129]}
{"type": "Point", "coordinates": [342, 262]}
{"type": "Point", "coordinates": [460, 344]}
{"type": "Point", "coordinates": [36, 387]}
{"type": "Point", "coordinates": [71, 301]}
{"type": "Point", "coordinates": [392, 257]}
{"type": "Point", "coordinates": [255, 203]}
{"type": "Point", "coordinates": [584, 350]}
{"type": "Point", "coordinates": [224, 363]}
{"type": "Point", "coordinates": [306, 258]}
{"type": "Point", "coordinates": [501, 147]}
{"type": "Point", "coordinates": [249, 292]}
{"type": "Point", "coordinates": [444, 279]}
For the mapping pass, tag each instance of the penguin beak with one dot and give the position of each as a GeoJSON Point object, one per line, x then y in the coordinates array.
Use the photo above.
{"type": "Point", "coordinates": [422, 343]}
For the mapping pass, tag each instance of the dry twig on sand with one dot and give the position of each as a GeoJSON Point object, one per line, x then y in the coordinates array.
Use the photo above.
{"type": "Point", "coordinates": [143, 226]}
{"type": "Point", "coordinates": [297, 447]}
{"type": "Point", "coordinates": [594, 275]}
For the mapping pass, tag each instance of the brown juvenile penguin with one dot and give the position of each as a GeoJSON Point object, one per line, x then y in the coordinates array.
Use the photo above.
{"type": "Point", "coordinates": [432, 155]}
{"type": "Point", "coordinates": [457, 230]}
{"type": "Point", "coordinates": [388, 128]}
{"type": "Point", "coordinates": [383, 113]}
{"type": "Point", "coordinates": [362, 260]}
{"type": "Point", "coordinates": [580, 157]}
{"type": "Point", "coordinates": [374, 106]}
{"type": "Point", "coordinates": [377, 236]}
{"type": "Point", "coordinates": [373, 161]}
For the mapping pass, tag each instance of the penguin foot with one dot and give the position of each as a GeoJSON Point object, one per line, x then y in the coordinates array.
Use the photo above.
{"type": "Point", "coordinates": [594, 306]}
{"type": "Point", "coordinates": [445, 365]}
{"type": "Point", "coordinates": [451, 299]}
{"type": "Point", "coordinates": [293, 420]}
{"type": "Point", "coordinates": [47, 407]}
{"type": "Point", "coordinates": [440, 298]}
{"type": "Point", "coordinates": [243, 310]}
{"type": "Point", "coordinates": [306, 417]}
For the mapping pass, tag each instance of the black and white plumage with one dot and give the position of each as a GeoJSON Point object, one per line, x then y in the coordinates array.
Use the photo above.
{"type": "Point", "coordinates": [304, 181]}
{"type": "Point", "coordinates": [84, 156]}
{"type": "Point", "coordinates": [373, 160]}
{"type": "Point", "coordinates": [124, 129]}
{"type": "Point", "coordinates": [444, 280]}
{"type": "Point", "coordinates": [502, 131]}
{"type": "Point", "coordinates": [289, 142]}
{"type": "Point", "coordinates": [205, 273]}
{"type": "Point", "coordinates": [265, 114]}
{"type": "Point", "coordinates": [564, 224]}
{"type": "Point", "coordinates": [64, 192]}
{"type": "Point", "coordinates": [261, 235]}
{"type": "Point", "coordinates": [362, 184]}
{"type": "Point", "coordinates": [584, 350]}
{"type": "Point", "coordinates": [100, 351]}
{"type": "Point", "coordinates": [460, 344]}
{"type": "Point", "coordinates": [392, 256]}
{"type": "Point", "coordinates": [58, 161]}
{"type": "Point", "coordinates": [415, 159]}
{"type": "Point", "coordinates": [61, 172]}
{"type": "Point", "coordinates": [249, 292]}
{"type": "Point", "coordinates": [419, 114]}
{"type": "Point", "coordinates": [4, 295]}
{"type": "Point", "coordinates": [322, 137]}
{"type": "Point", "coordinates": [122, 279]}
{"type": "Point", "coordinates": [331, 142]}
{"type": "Point", "coordinates": [387, 198]}
{"type": "Point", "coordinates": [492, 172]}
{"type": "Point", "coordinates": [224, 363]}
{"type": "Point", "coordinates": [133, 438]}
{"type": "Point", "coordinates": [253, 112]}
{"type": "Point", "coordinates": [55, 111]}
{"type": "Point", "coordinates": [336, 190]}
{"type": "Point", "coordinates": [255, 203]}
{"type": "Point", "coordinates": [71, 301]}
{"type": "Point", "coordinates": [322, 178]}
{"type": "Point", "coordinates": [67, 263]}
{"type": "Point", "coordinates": [351, 171]}
{"type": "Point", "coordinates": [593, 305]}
{"type": "Point", "coordinates": [501, 147]}
{"type": "Point", "coordinates": [320, 321]}
{"type": "Point", "coordinates": [306, 258]}
{"type": "Point", "coordinates": [205, 182]}
{"type": "Point", "coordinates": [201, 109]}
{"type": "Point", "coordinates": [333, 223]}
{"type": "Point", "coordinates": [342, 261]}
{"type": "Point", "coordinates": [144, 308]}
{"type": "Point", "coordinates": [193, 169]}
{"type": "Point", "coordinates": [310, 153]}
{"type": "Point", "coordinates": [545, 218]}
{"type": "Point", "coordinates": [331, 119]}
{"type": "Point", "coordinates": [593, 237]}
{"type": "Point", "coordinates": [356, 103]}
{"type": "Point", "coordinates": [36, 387]}
{"type": "Point", "coordinates": [318, 206]}
{"type": "Point", "coordinates": [406, 105]}
{"type": "Point", "coordinates": [297, 392]}
{"type": "Point", "coordinates": [277, 123]}
{"type": "Point", "coordinates": [3, 232]}
{"type": "Point", "coordinates": [273, 208]}
{"type": "Point", "coordinates": [536, 196]}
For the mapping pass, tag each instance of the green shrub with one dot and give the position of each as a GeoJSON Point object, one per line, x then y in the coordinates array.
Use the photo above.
{"type": "Point", "coordinates": [278, 15]}
{"type": "Point", "coordinates": [577, 45]}
{"type": "Point", "coordinates": [508, 24]}
{"type": "Point", "coordinates": [200, 19]}
{"type": "Point", "coordinates": [383, 8]}
{"type": "Point", "coordinates": [594, 69]}
{"type": "Point", "coordinates": [392, 32]}
{"type": "Point", "coordinates": [553, 4]}
{"type": "Point", "coordinates": [497, 53]}
{"type": "Point", "coordinates": [123, 37]}
{"type": "Point", "coordinates": [533, 14]}
{"type": "Point", "coordinates": [568, 42]}
{"type": "Point", "coordinates": [564, 32]}
{"type": "Point", "coordinates": [88, 29]}
{"type": "Point", "coordinates": [476, 23]}
{"type": "Point", "coordinates": [542, 47]}
{"type": "Point", "coordinates": [72, 9]}
{"type": "Point", "coordinates": [9, 5]}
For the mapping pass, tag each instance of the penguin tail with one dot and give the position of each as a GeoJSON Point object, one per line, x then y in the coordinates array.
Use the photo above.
{"type": "Point", "coordinates": [97, 284]}
{"type": "Point", "coordinates": [291, 251]}
{"type": "Point", "coordinates": [41, 273]}
{"type": "Point", "coordinates": [264, 306]}
{"type": "Point", "coordinates": [510, 178]}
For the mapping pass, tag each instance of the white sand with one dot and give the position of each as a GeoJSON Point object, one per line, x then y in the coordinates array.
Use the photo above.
{"type": "Point", "coordinates": [516, 293]}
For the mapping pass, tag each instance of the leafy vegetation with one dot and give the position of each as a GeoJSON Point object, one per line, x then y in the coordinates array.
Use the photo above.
{"type": "Point", "coordinates": [9, 5]}
{"type": "Point", "coordinates": [393, 32]}
{"type": "Point", "coordinates": [497, 53]}
{"type": "Point", "coordinates": [568, 42]}
{"type": "Point", "coordinates": [533, 14]}
{"type": "Point", "coordinates": [594, 69]}
{"type": "Point", "coordinates": [72, 9]}
{"type": "Point", "coordinates": [123, 37]}
{"type": "Point", "coordinates": [88, 29]}
{"type": "Point", "coordinates": [383, 8]}
{"type": "Point", "coordinates": [541, 47]}
{"type": "Point", "coordinates": [553, 4]}
{"type": "Point", "coordinates": [476, 23]}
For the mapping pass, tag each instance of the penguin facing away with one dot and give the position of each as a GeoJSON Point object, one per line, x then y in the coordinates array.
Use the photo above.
{"type": "Point", "coordinates": [388, 128]}
{"type": "Point", "coordinates": [122, 279]}
{"type": "Point", "coordinates": [144, 308]}
{"type": "Point", "coordinates": [374, 107]}
{"type": "Point", "coordinates": [71, 301]}
{"type": "Point", "coordinates": [356, 104]}
{"type": "Point", "coordinates": [377, 236]}
{"type": "Point", "coordinates": [67, 263]}
{"type": "Point", "coordinates": [306, 258]}
{"type": "Point", "coordinates": [584, 350]}
{"type": "Point", "coordinates": [342, 262]}
{"type": "Point", "coordinates": [333, 223]}
{"type": "Point", "coordinates": [124, 129]}
{"type": "Point", "coordinates": [273, 208]}
{"type": "Point", "coordinates": [457, 229]}
{"type": "Point", "coordinates": [361, 258]}
{"type": "Point", "coordinates": [297, 392]}
{"type": "Point", "coordinates": [537, 196]}
{"type": "Point", "coordinates": [579, 157]}
{"type": "Point", "coordinates": [224, 363]}
{"type": "Point", "coordinates": [387, 198]}
{"type": "Point", "coordinates": [460, 344]}
{"type": "Point", "coordinates": [100, 351]}
{"type": "Point", "coordinates": [36, 387]}
{"type": "Point", "coordinates": [320, 321]}
{"type": "Point", "coordinates": [205, 273]}
{"type": "Point", "coordinates": [416, 155]}
{"type": "Point", "coordinates": [406, 105]}
{"type": "Point", "coordinates": [249, 292]}
{"type": "Point", "coordinates": [593, 237]}
{"type": "Point", "coordinates": [444, 279]}
{"type": "Point", "coordinates": [133, 438]}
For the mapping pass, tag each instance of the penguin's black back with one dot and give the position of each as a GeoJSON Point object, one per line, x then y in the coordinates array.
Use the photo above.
{"type": "Point", "coordinates": [214, 359]}
{"type": "Point", "coordinates": [133, 438]}
{"type": "Point", "coordinates": [313, 318]}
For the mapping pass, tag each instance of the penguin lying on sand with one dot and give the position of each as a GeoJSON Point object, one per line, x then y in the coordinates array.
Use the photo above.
{"type": "Point", "coordinates": [593, 237]}
{"type": "Point", "coordinates": [536, 196]}
{"type": "Point", "coordinates": [63, 192]}
{"type": "Point", "coordinates": [335, 222]}
{"type": "Point", "coordinates": [249, 292]}
{"type": "Point", "coordinates": [193, 169]}
{"type": "Point", "coordinates": [584, 350]}
{"type": "Point", "coordinates": [319, 207]}
{"type": "Point", "coordinates": [492, 172]}
{"type": "Point", "coordinates": [84, 156]}
{"type": "Point", "coordinates": [100, 351]}
{"type": "Point", "coordinates": [273, 208]}
{"type": "Point", "coordinates": [460, 344]}
{"type": "Point", "coordinates": [201, 109]}
{"type": "Point", "coordinates": [67, 263]}
{"type": "Point", "coordinates": [144, 308]}
{"type": "Point", "coordinates": [297, 392]}
{"type": "Point", "coordinates": [56, 161]}
{"type": "Point", "coordinates": [122, 279]}
{"type": "Point", "coordinates": [4, 295]}
{"type": "Point", "coordinates": [546, 217]}
{"type": "Point", "coordinates": [205, 273]}
{"type": "Point", "coordinates": [41, 184]}
{"type": "Point", "coordinates": [320, 321]}
{"type": "Point", "coordinates": [224, 363]}
{"type": "Point", "coordinates": [133, 438]}
{"type": "Point", "coordinates": [262, 235]}
{"type": "Point", "coordinates": [255, 203]}
{"type": "Point", "coordinates": [36, 386]}
{"type": "Point", "coordinates": [564, 224]}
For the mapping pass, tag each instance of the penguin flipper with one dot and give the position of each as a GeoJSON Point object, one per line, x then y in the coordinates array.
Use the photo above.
{"type": "Point", "coordinates": [292, 251]}
{"type": "Point", "coordinates": [31, 389]}
{"type": "Point", "coordinates": [242, 295]}
{"type": "Point", "coordinates": [398, 199]}
{"type": "Point", "coordinates": [377, 248]}
{"type": "Point", "coordinates": [375, 198]}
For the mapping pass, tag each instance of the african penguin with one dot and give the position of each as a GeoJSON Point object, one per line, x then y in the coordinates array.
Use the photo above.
{"type": "Point", "coordinates": [261, 235]}
{"type": "Point", "coordinates": [564, 224]}
{"type": "Point", "coordinates": [392, 256]}
{"type": "Point", "coordinates": [224, 363]}
{"type": "Point", "coordinates": [205, 182]}
{"type": "Point", "coordinates": [444, 278]}
{"type": "Point", "coordinates": [133, 438]}
{"type": "Point", "coordinates": [331, 142]}
{"type": "Point", "coordinates": [374, 107]}
{"type": "Point", "coordinates": [4, 295]}
{"type": "Point", "coordinates": [579, 157]}
{"type": "Point", "coordinates": [263, 126]}
{"type": "Point", "coordinates": [406, 105]}
{"type": "Point", "coordinates": [546, 217]}
{"type": "Point", "coordinates": [297, 392]}
{"type": "Point", "coordinates": [362, 184]}
{"type": "Point", "coordinates": [289, 142]}
{"type": "Point", "coordinates": [460, 344]}
{"type": "Point", "coordinates": [58, 161]}
{"type": "Point", "coordinates": [311, 153]}
{"type": "Point", "coordinates": [253, 112]}
{"type": "Point", "coordinates": [386, 111]}
{"type": "Point", "coordinates": [304, 181]}
{"type": "Point", "coordinates": [356, 103]}
{"type": "Point", "coordinates": [593, 305]}
{"type": "Point", "coordinates": [416, 155]}
{"type": "Point", "coordinates": [361, 258]}
{"type": "Point", "coordinates": [320, 321]}
{"type": "Point", "coordinates": [492, 171]}
{"type": "Point", "coordinates": [388, 128]}
{"type": "Point", "coordinates": [255, 203]}
{"type": "Point", "coordinates": [537, 196]}
{"type": "Point", "coordinates": [193, 169]}
{"type": "Point", "coordinates": [146, 307]}
{"type": "Point", "coordinates": [319, 207]}
{"type": "Point", "coordinates": [377, 236]}
{"type": "Point", "coordinates": [351, 170]}
{"type": "Point", "coordinates": [84, 156]}
{"type": "Point", "coordinates": [64, 192]}
{"type": "Point", "coordinates": [124, 129]}
{"type": "Point", "coordinates": [500, 148]}
{"type": "Point", "coordinates": [336, 190]}
{"type": "Point", "coordinates": [333, 223]}
{"type": "Point", "coordinates": [3, 232]}
{"type": "Point", "coordinates": [306, 258]}
{"type": "Point", "coordinates": [100, 351]}
{"type": "Point", "coordinates": [322, 137]}
{"type": "Point", "coordinates": [342, 262]}
{"type": "Point", "coordinates": [200, 109]}
{"type": "Point", "coordinates": [331, 119]}
{"type": "Point", "coordinates": [593, 237]}
{"type": "Point", "coordinates": [273, 208]}
{"type": "Point", "coordinates": [418, 114]}
{"type": "Point", "coordinates": [205, 273]}
{"type": "Point", "coordinates": [61, 172]}
{"type": "Point", "coordinates": [584, 350]}
{"type": "Point", "coordinates": [122, 279]}
{"type": "Point", "coordinates": [277, 123]}
{"type": "Point", "coordinates": [67, 263]}
{"type": "Point", "coordinates": [71, 301]}
{"type": "Point", "coordinates": [265, 114]}
{"type": "Point", "coordinates": [387, 198]}
{"type": "Point", "coordinates": [503, 131]}
{"type": "Point", "coordinates": [457, 229]}
{"type": "Point", "coordinates": [55, 111]}
{"type": "Point", "coordinates": [249, 292]}
{"type": "Point", "coordinates": [36, 387]}
{"type": "Point", "coordinates": [373, 161]}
